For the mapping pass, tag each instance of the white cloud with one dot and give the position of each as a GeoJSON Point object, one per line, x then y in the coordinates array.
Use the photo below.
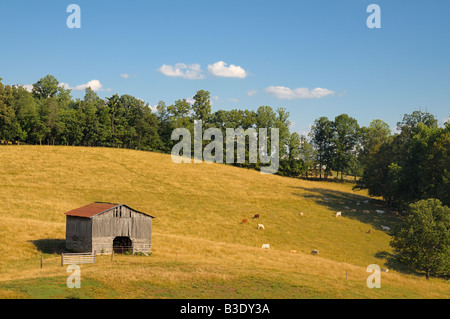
{"type": "Point", "coordinates": [65, 85]}
{"type": "Point", "coordinates": [190, 100]}
{"type": "Point", "coordinates": [95, 85]}
{"type": "Point", "coordinates": [190, 72]}
{"type": "Point", "coordinates": [125, 76]}
{"type": "Point", "coordinates": [153, 108]}
{"type": "Point", "coordinates": [220, 69]}
{"type": "Point", "coordinates": [284, 93]}
{"type": "Point", "coordinates": [252, 92]}
{"type": "Point", "coordinates": [234, 100]}
{"type": "Point", "coordinates": [28, 87]}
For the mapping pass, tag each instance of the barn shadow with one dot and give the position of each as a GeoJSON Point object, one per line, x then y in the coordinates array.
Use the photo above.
{"type": "Point", "coordinates": [50, 246]}
{"type": "Point", "coordinates": [337, 201]}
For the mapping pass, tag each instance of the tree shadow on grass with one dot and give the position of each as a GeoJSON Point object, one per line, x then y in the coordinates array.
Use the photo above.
{"type": "Point", "coordinates": [50, 246]}
{"type": "Point", "coordinates": [392, 262]}
{"type": "Point", "coordinates": [360, 207]}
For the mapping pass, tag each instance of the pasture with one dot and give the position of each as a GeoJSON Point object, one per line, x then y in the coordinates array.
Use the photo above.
{"type": "Point", "coordinates": [201, 246]}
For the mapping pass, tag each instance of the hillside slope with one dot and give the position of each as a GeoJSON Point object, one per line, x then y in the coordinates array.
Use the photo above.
{"type": "Point", "coordinates": [200, 247]}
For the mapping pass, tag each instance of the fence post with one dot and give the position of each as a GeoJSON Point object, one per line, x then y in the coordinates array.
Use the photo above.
{"type": "Point", "coordinates": [62, 259]}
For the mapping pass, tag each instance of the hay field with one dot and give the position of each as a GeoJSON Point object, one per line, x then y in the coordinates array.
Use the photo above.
{"type": "Point", "coordinates": [200, 248]}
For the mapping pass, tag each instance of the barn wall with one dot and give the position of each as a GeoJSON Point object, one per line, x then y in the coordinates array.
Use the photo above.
{"type": "Point", "coordinates": [120, 221]}
{"type": "Point", "coordinates": [78, 234]}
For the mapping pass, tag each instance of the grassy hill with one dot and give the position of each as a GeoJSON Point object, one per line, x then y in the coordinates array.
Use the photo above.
{"type": "Point", "coordinates": [200, 248]}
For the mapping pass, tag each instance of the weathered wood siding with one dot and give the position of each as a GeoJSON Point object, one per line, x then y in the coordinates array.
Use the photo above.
{"type": "Point", "coordinates": [78, 234]}
{"type": "Point", "coordinates": [120, 222]}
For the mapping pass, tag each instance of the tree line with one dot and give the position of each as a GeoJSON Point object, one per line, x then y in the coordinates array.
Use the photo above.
{"type": "Point", "coordinates": [410, 165]}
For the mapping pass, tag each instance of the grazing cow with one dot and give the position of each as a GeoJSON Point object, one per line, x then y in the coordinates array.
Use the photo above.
{"type": "Point", "coordinates": [293, 252]}
{"type": "Point", "coordinates": [346, 207]}
{"type": "Point", "coordinates": [244, 221]}
{"type": "Point", "coordinates": [261, 226]}
{"type": "Point", "coordinates": [366, 212]}
{"type": "Point", "coordinates": [369, 231]}
{"type": "Point", "coordinates": [380, 211]}
{"type": "Point", "coordinates": [366, 202]}
{"type": "Point", "coordinates": [385, 270]}
{"type": "Point", "coordinates": [265, 246]}
{"type": "Point", "coordinates": [315, 252]}
{"type": "Point", "coordinates": [339, 214]}
{"type": "Point", "coordinates": [353, 210]}
{"type": "Point", "coordinates": [256, 216]}
{"type": "Point", "coordinates": [301, 214]}
{"type": "Point", "coordinates": [385, 228]}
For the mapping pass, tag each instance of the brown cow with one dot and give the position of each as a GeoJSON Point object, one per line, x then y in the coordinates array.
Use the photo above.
{"type": "Point", "coordinates": [256, 216]}
{"type": "Point", "coordinates": [244, 221]}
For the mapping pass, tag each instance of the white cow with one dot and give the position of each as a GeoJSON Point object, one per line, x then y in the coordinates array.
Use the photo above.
{"type": "Point", "coordinates": [385, 228]}
{"type": "Point", "coordinates": [339, 214]}
{"type": "Point", "coordinates": [265, 246]}
{"type": "Point", "coordinates": [385, 270]}
{"type": "Point", "coordinates": [261, 226]}
{"type": "Point", "coordinates": [380, 211]}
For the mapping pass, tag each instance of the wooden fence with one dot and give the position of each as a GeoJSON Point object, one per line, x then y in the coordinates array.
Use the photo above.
{"type": "Point", "coordinates": [144, 249]}
{"type": "Point", "coordinates": [78, 259]}
{"type": "Point", "coordinates": [131, 250]}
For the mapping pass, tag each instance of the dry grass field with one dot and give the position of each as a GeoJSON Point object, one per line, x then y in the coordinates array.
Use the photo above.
{"type": "Point", "coordinates": [200, 248]}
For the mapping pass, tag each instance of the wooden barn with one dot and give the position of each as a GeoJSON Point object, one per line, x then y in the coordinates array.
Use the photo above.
{"type": "Point", "coordinates": [107, 227]}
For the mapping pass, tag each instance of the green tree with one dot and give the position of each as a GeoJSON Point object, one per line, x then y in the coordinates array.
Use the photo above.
{"type": "Point", "coordinates": [423, 239]}
{"type": "Point", "coordinates": [8, 122]}
{"type": "Point", "coordinates": [47, 87]}
{"type": "Point", "coordinates": [345, 139]}
{"type": "Point", "coordinates": [202, 106]}
{"type": "Point", "coordinates": [308, 155]}
{"type": "Point", "coordinates": [26, 112]}
{"type": "Point", "coordinates": [322, 139]}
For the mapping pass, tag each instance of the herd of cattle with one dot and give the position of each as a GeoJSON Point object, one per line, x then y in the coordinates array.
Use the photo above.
{"type": "Point", "coordinates": [338, 215]}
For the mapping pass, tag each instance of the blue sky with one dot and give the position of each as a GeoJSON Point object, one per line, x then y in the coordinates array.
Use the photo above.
{"type": "Point", "coordinates": [315, 58]}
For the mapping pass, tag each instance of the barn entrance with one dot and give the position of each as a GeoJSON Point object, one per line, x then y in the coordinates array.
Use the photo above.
{"type": "Point", "coordinates": [122, 245]}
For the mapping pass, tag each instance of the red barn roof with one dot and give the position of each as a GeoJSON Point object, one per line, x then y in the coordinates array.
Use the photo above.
{"type": "Point", "coordinates": [91, 210]}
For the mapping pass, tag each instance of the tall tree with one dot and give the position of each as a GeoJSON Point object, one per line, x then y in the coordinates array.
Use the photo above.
{"type": "Point", "coordinates": [345, 139]}
{"type": "Point", "coordinates": [322, 139]}
{"type": "Point", "coordinates": [47, 87]}
{"type": "Point", "coordinates": [202, 106]}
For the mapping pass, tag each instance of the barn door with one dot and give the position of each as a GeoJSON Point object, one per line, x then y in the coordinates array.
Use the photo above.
{"type": "Point", "coordinates": [122, 245]}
